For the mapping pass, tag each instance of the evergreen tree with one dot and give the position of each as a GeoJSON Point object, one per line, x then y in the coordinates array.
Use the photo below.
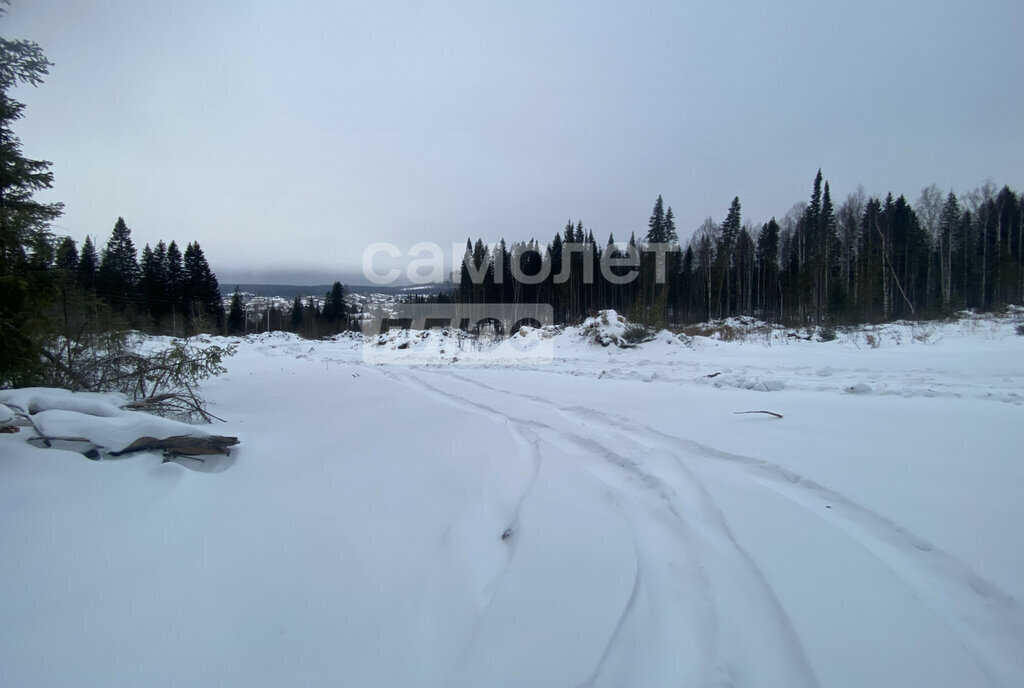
{"type": "Point", "coordinates": [656, 223]}
{"type": "Point", "coordinates": [201, 288]}
{"type": "Point", "coordinates": [88, 266]}
{"type": "Point", "coordinates": [297, 316]}
{"type": "Point", "coordinates": [949, 220]}
{"type": "Point", "coordinates": [25, 241]}
{"type": "Point", "coordinates": [118, 276]}
{"type": "Point", "coordinates": [175, 278]}
{"type": "Point", "coordinates": [767, 254]}
{"type": "Point", "coordinates": [831, 295]}
{"type": "Point", "coordinates": [236, 315]}
{"type": "Point", "coordinates": [334, 309]}
{"type": "Point", "coordinates": [481, 257]}
{"type": "Point", "coordinates": [727, 238]}
{"type": "Point", "coordinates": [465, 279]}
{"type": "Point", "coordinates": [670, 227]}
{"type": "Point", "coordinates": [66, 256]}
{"type": "Point", "coordinates": [153, 281]}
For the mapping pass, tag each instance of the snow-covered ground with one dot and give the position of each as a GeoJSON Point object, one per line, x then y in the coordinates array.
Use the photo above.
{"type": "Point", "coordinates": [602, 519]}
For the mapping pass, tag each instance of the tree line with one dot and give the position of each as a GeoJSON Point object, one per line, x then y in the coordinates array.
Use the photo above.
{"type": "Point", "coordinates": [308, 317]}
{"type": "Point", "coordinates": [869, 259]}
{"type": "Point", "coordinates": [168, 291]}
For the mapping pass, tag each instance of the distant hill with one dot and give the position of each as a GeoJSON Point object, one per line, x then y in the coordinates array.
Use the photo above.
{"type": "Point", "coordinates": [290, 291]}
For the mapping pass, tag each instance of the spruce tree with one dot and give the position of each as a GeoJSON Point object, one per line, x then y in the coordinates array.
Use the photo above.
{"type": "Point", "coordinates": [153, 280]}
{"type": "Point", "coordinates": [236, 315]}
{"type": "Point", "coordinates": [297, 316]}
{"type": "Point", "coordinates": [465, 279]}
{"type": "Point", "coordinates": [26, 286]}
{"type": "Point", "coordinates": [670, 227]}
{"type": "Point", "coordinates": [118, 276]}
{"type": "Point", "coordinates": [334, 305]}
{"type": "Point", "coordinates": [88, 266]}
{"type": "Point", "coordinates": [201, 288]}
{"type": "Point", "coordinates": [730, 231]}
{"type": "Point", "coordinates": [175, 278]}
{"type": "Point", "coordinates": [949, 220]}
{"type": "Point", "coordinates": [66, 256]}
{"type": "Point", "coordinates": [656, 223]}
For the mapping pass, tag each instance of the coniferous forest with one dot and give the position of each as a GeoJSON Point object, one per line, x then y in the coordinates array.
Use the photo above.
{"type": "Point", "coordinates": [824, 262]}
{"type": "Point", "coordinates": [166, 291]}
{"type": "Point", "coordinates": [866, 259]}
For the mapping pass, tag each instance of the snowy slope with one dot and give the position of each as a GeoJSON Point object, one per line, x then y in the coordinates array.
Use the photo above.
{"type": "Point", "coordinates": [602, 520]}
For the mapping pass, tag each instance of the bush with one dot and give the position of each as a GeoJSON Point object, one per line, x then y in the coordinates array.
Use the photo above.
{"type": "Point", "coordinates": [636, 333]}
{"type": "Point", "coordinates": [89, 350]}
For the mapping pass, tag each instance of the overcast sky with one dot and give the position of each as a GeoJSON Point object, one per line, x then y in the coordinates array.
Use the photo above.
{"type": "Point", "coordinates": [287, 136]}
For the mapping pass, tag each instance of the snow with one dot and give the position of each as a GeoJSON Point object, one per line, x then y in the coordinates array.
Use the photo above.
{"type": "Point", "coordinates": [601, 518]}
{"type": "Point", "coordinates": [95, 417]}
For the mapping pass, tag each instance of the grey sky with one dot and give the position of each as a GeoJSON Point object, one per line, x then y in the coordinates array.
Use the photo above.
{"type": "Point", "coordinates": [289, 136]}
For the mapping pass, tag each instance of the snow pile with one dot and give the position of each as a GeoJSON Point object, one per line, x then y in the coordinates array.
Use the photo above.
{"type": "Point", "coordinates": [609, 328]}
{"type": "Point", "coordinates": [91, 422]}
{"type": "Point", "coordinates": [742, 380]}
{"type": "Point", "coordinates": [454, 346]}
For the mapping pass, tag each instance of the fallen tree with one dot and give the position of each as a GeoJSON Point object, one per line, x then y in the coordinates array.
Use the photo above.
{"type": "Point", "coordinates": [95, 424]}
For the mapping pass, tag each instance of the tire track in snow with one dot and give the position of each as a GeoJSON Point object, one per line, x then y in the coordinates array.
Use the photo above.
{"type": "Point", "coordinates": [627, 610]}
{"type": "Point", "coordinates": [486, 591]}
{"type": "Point", "coordinates": [706, 540]}
{"type": "Point", "coordinates": [524, 425]}
{"type": "Point", "coordinates": [706, 647]}
{"type": "Point", "coordinates": [954, 589]}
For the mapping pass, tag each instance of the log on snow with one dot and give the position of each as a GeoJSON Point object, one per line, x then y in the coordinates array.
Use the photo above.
{"type": "Point", "coordinates": [189, 445]}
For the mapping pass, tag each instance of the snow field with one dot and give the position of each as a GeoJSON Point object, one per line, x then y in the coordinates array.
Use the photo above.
{"type": "Point", "coordinates": [604, 520]}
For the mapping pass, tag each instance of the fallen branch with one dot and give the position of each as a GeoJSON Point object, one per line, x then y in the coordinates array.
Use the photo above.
{"type": "Point", "coordinates": [46, 439]}
{"type": "Point", "coordinates": [189, 445]}
{"type": "Point", "coordinates": [185, 403]}
{"type": "Point", "coordinates": [770, 413]}
{"type": "Point", "coordinates": [20, 413]}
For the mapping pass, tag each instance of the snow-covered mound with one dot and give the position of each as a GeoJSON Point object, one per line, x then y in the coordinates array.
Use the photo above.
{"type": "Point", "coordinates": [91, 421]}
{"type": "Point", "coordinates": [528, 345]}
{"type": "Point", "coordinates": [609, 328]}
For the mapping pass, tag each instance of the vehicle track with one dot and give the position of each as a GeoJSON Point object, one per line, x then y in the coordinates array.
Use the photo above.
{"type": "Point", "coordinates": [948, 585]}
{"type": "Point", "coordinates": [687, 518]}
